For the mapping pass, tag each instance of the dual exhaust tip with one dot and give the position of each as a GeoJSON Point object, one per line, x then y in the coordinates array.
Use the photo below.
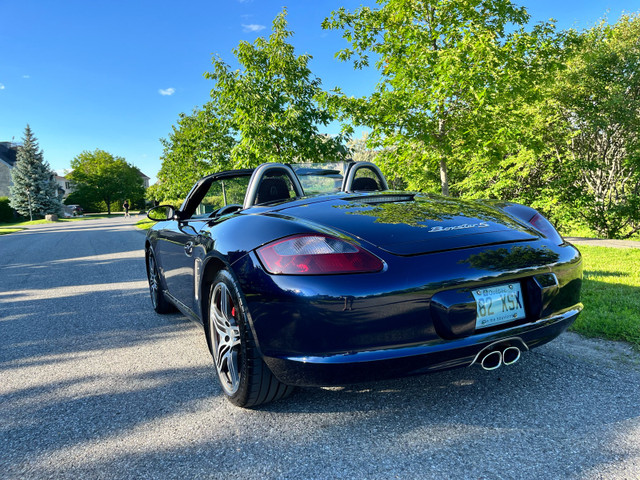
{"type": "Point", "coordinates": [497, 357]}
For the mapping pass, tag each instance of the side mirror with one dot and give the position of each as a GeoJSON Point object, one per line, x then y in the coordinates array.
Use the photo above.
{"type": "Point", "coordinates": [161, 213]}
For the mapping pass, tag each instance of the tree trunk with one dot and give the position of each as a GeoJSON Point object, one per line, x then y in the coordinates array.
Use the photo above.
{"type": "Point", "coordinates": [444, 174]}
{"type": "Point", "coordinates": [444, 177]}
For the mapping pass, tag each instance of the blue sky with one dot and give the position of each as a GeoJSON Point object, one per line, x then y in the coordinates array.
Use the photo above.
{"type": "Point", "coordinates": [115, 74]}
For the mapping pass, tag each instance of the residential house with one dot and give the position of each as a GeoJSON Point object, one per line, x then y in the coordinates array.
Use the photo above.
{"type": "Point", "coordinates": [65, 187]}
{"type": "Point", "coordinates": [145, 179]}
{"type": "Point", "coordinates": [8, 153]}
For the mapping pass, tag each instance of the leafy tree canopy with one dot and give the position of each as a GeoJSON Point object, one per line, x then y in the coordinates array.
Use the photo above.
{"type": "Point", "coordinates": [599, 96]}
{"type": "Point", "coordinates": [103, 177]}
{"type": "Point", "coordinates": [448, 71]}
{"type": "Point", "coordinates": [268, 110]}
{"type": "Point", "coordinates": [200, 144]}
{"type": "Point", "coordinates": [271, 103]}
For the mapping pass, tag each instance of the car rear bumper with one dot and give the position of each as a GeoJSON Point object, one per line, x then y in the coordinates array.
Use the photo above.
{"type": "Point", "coordinates": [348, 368]}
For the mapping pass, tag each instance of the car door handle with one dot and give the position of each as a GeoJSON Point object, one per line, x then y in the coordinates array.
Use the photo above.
{"type": "Point", "coordinates": [188, 249]}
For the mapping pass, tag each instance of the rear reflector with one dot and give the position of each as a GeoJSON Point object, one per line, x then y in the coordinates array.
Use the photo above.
{"type": "Point", "coordinates": [544, 226]}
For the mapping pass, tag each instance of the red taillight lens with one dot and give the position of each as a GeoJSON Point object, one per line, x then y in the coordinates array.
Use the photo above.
{"type": "Point", "coordinates": [316, 255]}
{"type": "Point", "coordinates": [544, 226]}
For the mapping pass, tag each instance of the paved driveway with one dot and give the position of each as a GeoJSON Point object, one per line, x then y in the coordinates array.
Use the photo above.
{"type": "Point", "coordinates": [93, 384]}
{"type": "Point", "coordinates": [597, 242]}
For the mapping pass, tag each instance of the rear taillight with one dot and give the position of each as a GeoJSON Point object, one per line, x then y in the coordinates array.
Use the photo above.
{"type": "Point", "coordinates": [544, 226]}
{"type": "Point", "coordinates": [316, 255]}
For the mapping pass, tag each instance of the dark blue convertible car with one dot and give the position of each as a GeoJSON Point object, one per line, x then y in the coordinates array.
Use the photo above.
{"type": "Point", "coordinates": [327, 277]}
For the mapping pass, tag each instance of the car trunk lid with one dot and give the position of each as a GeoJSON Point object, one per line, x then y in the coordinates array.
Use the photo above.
{"type": "Point", "coordinates": [412, 224]}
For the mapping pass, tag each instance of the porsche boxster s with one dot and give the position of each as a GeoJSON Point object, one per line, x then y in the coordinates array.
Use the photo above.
{"type": "Point", "coordinates": [321, 277]}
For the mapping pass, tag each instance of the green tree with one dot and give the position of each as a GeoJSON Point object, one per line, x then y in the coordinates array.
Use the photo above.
{"type": "Point", "coordinates": [450, 72]}
{"type": "Point", "coordinates": [360, 151]}
{"type": "Point", "coordinates": [200, 144]}
{"type": "Point", "coordinates": [34, 190]}
{"type": "Point", "coordinates": [529, 166]}
{"type": "Point", "coordinates": [100, 176]}
{"type": "Point", "coordinates": [6, 212]}
{"type": "Point", "coordinates": [272, 103]}
{"type": "Point", "coordinates": [600, 102]}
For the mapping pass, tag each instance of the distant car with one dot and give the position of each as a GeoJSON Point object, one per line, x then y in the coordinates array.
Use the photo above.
{"type": "Point", "coordinates": [72, 210]}
{"type": "Point", "coordinates": [355, 282]}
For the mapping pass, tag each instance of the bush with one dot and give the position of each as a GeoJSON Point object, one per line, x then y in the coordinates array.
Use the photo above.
{"type": "Point", "coordinates": [6, 212]}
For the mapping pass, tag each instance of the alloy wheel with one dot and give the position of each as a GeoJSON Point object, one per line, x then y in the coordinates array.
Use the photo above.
{"type": "Point", "coordinates": [225, 337]}
{"type": "Point", "coordinates": [153, 280]}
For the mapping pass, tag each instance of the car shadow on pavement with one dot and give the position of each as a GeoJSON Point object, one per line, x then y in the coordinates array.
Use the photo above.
{"type": "Point", "coordinates": [552, 415]}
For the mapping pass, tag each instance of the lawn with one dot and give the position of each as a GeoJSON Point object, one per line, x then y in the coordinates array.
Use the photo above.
{"type": "Point", "coordinates": [12, 227]}
{"type": "Point", "coordinates": [611, 294]}
{"type": "Point", "coordinates": [5, 230]}
{"type": "Point", "coordinates": [92, 216]}
{"type": "Point", "coordinates": [145, 224]}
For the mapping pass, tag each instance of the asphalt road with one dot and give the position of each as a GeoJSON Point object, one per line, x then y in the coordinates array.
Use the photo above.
{"type": "Point", "coordinates": [94, 384]}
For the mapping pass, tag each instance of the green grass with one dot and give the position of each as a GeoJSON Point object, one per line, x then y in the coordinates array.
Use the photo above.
{"type": "Point", "coordinates": [4, 231]}
{"type": "Point", "coordinates": [611, 294]}
{"type": "Point", "coordinates": [145, 223]}
{"type": "Point", "coordinates": [578, 230]}
{"type": "Point", "coordinates": [93, 216]}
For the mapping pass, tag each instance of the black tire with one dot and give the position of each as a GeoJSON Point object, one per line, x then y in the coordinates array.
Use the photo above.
{"type": "Point", "coordinates": [158, 300]}
{"type": "Point", "coordinates": [245, 379]}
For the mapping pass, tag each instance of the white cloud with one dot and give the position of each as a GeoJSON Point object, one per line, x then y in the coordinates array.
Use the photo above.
{"type": "Point", "coordinates": [252, 28]}
{"type": "Point", "coordinates": [167, 91]}
{"type": "Point", "coordinates": [1, 86]}
{"type": "Point", "coordinates": [26, 76]}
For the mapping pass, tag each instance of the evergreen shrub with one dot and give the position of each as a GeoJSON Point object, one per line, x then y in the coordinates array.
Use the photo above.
{"type": "Point", "coordinates": [6, 212]}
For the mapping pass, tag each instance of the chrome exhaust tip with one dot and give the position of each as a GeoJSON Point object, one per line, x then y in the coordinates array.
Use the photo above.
{"type": "Point", "coordinates": [500, 352]}
{"type": "Point", "coordinates": [491, 360]}
{"type": "Point", "coordinates": [510, 355]}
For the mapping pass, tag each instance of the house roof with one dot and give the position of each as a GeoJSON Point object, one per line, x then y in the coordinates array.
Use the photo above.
{"type": "Point", "coordinates": [142, 174]}
{"type": "Point", "coordinates": [8, 153]}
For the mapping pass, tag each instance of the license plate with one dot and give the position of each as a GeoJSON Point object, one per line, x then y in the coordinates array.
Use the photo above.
{"type": "Point", "coordinates": [498, 304]}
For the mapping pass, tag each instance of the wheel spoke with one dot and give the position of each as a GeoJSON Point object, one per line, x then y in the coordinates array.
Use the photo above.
{"type": "Point", "coordinates": [221, 360]}
{"type": "Point", "coordinates": [232, 363]}
{"type": "Point", "coordinates": [220, 323]}
{"type": "Point", "coordinates": [235, 336]}
{"type": "Point", "coordinates": [222, 350]}
{"type": "Point", "coordinates": [153, 280]}
{"type": "Point", "coordinates": [224, 301]}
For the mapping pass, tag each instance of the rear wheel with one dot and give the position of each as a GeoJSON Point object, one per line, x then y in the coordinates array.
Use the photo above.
{"type": "Point", "coordinates": [158, 300]}
{"type": "Point", "coordinates": [244, 377]}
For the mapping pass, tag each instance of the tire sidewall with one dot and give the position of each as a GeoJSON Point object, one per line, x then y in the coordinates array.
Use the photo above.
{"type": "Point", "coordinates": [162, 305]}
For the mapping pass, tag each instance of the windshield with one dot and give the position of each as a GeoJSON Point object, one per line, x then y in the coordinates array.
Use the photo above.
{"type": "Point", "coordinates": [223, 192]}
{"type": "Point", "coordinates": [319, 178]}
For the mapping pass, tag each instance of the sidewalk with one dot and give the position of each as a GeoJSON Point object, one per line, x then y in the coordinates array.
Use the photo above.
{"type": "Point", "coordinates": [603, 243]}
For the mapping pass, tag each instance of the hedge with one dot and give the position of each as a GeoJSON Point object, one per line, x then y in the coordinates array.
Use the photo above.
{"type": "Point", "coordinates": [6, 212]}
